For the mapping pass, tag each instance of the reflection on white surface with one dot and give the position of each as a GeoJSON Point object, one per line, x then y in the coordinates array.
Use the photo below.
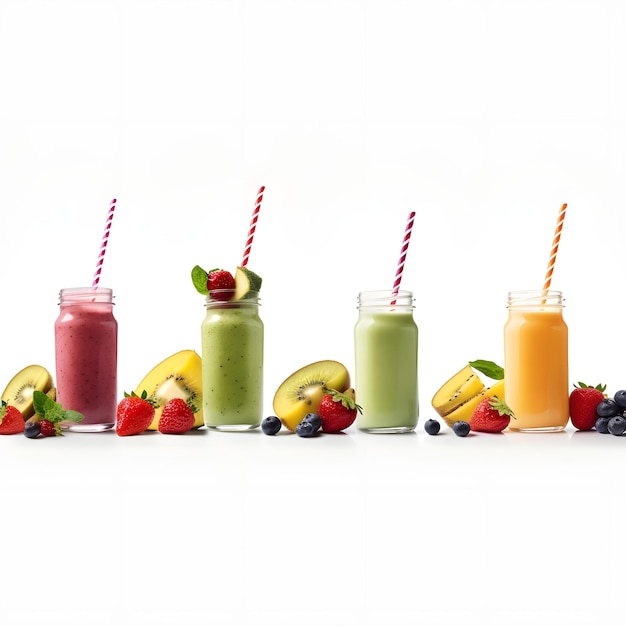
{"type": "Point", "coordinates": [240, 525]}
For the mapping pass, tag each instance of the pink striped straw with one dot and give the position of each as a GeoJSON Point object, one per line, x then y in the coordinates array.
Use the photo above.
{"type": "Point", "coordinates": [403, 251]}
{"type": "Point", "coordinates": [103, 245]}
{"type": "Point", "coordinates": [555, 247]}
{"type": "Point", "coordinates": [255, 217]}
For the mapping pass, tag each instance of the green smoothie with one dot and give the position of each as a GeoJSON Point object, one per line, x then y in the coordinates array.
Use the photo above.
{"type": "Point", "coordinates": [232, 365]}
{"type": "Point", "coordinates": [386, 369]}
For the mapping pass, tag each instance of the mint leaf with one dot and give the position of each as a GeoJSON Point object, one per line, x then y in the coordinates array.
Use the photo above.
{"type": "Point", "coordinates": [488, 368]}
{"type": "Point", "coordinates": [42, 403]}
{"type": "Point", "coordinates": [54, 414]}
{"type": "Point", "coordinates": [52, 411]}
{"type": "Point", "coordinates": [199, 279]}
{"type": "Point", "coordinates": [73, 416]}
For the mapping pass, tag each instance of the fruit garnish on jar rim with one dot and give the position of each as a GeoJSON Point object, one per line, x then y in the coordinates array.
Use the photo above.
{"type": "Point", "coordinates": [221, 285]}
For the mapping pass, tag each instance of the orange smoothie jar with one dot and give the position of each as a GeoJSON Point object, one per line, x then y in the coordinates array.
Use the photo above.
{"type": "Point", "coordinates": [536, 384]}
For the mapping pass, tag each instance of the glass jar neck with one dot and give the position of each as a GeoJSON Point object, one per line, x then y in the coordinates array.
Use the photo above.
{"type": "Point", "coordinates": [220, 300]}
{"type": "Point", "coordinates": [535, 300]}
{"type": "Point", "coordinates": [85, 295]}
{"type": "Point", "coordinates": [385, 300]}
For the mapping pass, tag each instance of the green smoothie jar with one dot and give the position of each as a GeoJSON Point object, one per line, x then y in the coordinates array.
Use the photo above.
{"type": "Point", "coordinates": [232, 363]}
{"type": "Point", "coordinates": [385, 343]}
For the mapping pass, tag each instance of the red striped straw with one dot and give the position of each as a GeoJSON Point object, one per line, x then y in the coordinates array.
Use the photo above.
{"type": "Point", "coordinates": [103, 245]}
{"type": "Point", "coordinates": [403, 251]}
{"type": "Point", "coordinates": [555, 247]}
{"type": "Point", "coordinates": [255, 217]}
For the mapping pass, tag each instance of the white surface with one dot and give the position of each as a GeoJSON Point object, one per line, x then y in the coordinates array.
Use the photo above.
{"type": "Point", "coordinates": [483, 117]}
{"type": "Point", "coordinates": [349, 529]}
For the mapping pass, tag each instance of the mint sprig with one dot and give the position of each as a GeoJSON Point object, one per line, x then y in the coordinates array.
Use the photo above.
{"type": "Point", "coordinates": [488, 368]}
{"type": "Point", "coordinates": [52, 411]}
{"type": "Point", "coordinates": [199, 278]}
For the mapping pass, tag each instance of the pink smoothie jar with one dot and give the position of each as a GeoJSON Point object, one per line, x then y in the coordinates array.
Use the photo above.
{"type": "Point", "coordinates": [85, 336]}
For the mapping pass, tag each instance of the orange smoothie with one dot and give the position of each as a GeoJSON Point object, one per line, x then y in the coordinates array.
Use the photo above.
{"type": "Point", "coordinates": [536, 364]}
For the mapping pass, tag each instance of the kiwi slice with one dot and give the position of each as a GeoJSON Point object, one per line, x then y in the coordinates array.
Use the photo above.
{"type": "Point", "coordinates": [302, 392]}
{"type": "Point", "coordinates": [19, 391]}
{"type": "Point", "coordinates": [463, 386]}
{"type": "Point", "coordinates": [246, 282]}
{"type": "Point", "coordinates": [177, 376]}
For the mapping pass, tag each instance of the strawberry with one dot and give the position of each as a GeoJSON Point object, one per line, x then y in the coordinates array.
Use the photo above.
{"type": "Point", "coordinates": [134, 414]}
{"type": "Point", "coordinates": [583, 402]}
{"type": "Point", "coordinates": [11, 420]}
{"type": "Point", "coordinates": [337, 410]}
{"type": "Point", "coordinates": [48, 429]}
{"type": "Point", "coordinates": [221, 285]}
{"type": "Point", "coordinates": [177, 417]}
{"type": "Point", "coordinates": [492, 415]}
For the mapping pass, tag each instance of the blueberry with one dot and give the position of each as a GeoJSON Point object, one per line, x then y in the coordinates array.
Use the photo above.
{"type": "Point", "coordinates": [620, 399]}
{"type": "Point", "coordinates": [271, 425]}
{"type": "Point", "coordinates": [32, 429]}
{"type": "Point", "coordinates": [432, 427]}
{"type": "Point", "coordinates": [461, 428]}
{"type": "Point", "coordinates": [607, 408]}
{"type": "Point", "coordinates": [315, 419]}
{"type": "Point", "coordinates": [617, 425]}
{"type": "Point", "coordinates": [305, 428]}
{"type": "Point", "coordinates": [602, 425]}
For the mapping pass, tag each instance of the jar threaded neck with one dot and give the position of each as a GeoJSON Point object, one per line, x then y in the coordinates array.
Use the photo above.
{"type": "Point", "coordinates": [85, 295]}
{"type": "Point", "coordinates": [531, 299]}
{"type": "Point", "coordinates": [386, 299]}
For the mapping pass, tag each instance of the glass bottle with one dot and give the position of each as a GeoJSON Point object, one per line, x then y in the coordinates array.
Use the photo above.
{"type": "Point", "coordinates": [385, 339]}
{"type": "Point", "coordinates": [232, 363]}
{"type": "Point", "coordinates": [85, 335]}
{"type": "Point", "coordinates": [536, 361]}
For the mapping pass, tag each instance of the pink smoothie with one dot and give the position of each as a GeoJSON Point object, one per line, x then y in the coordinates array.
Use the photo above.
{"type": "Point", "coordinates": [86, 358]}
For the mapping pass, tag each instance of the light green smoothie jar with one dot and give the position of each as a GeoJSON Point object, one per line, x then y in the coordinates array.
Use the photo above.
{"type": "Point", "coordinates": [385, 342]}
{"type": "Point", "coordinates": [232, 364]}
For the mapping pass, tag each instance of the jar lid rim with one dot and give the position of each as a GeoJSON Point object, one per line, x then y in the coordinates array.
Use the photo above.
{"type": "Point", "coordinates": [82, 295]}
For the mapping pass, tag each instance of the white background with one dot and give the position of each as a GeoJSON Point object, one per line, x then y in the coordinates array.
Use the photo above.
{"type": "Point", "coordinates": [481, 116]}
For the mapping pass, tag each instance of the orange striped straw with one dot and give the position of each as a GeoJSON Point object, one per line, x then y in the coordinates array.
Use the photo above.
{"type": "Point", "coordinates": [555, 247]}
